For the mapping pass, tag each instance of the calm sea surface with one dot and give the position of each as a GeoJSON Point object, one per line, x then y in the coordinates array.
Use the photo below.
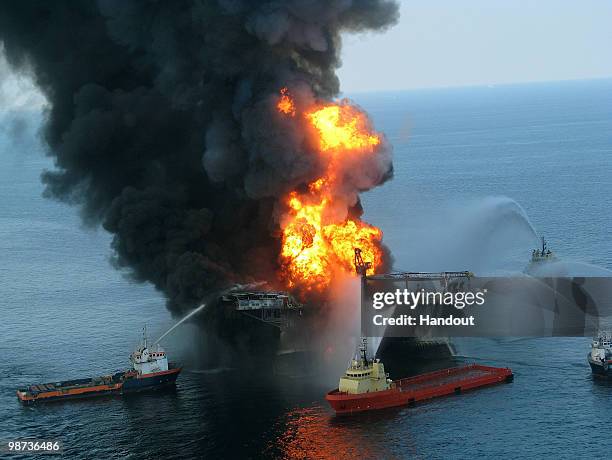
{"type": "Point", "coordinates": [476, 170]}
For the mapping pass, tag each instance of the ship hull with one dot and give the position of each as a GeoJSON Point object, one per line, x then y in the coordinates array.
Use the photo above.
{"type": "Point", "coordinates": [120, 383]}
{"type": "Point", "coordinates": [598, 369]}
{"type": "Point", "coordinates": [70, 396]}
{"type": "Point", "coordinates": [419, 388]}
{"type": "Point", "coordinates": [151, 381]}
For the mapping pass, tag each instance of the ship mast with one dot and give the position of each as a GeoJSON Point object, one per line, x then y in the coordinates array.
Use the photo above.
{"type": "Point", "coordinates": [364, 351]}
{"type": "Point", "coordinates": [144, 336]}
{"type": "Point", "coordinates": [362, 268]}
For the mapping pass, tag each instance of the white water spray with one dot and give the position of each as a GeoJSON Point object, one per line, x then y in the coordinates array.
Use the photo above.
{"type": "Point", "coordinates": [189, 315]}
{"type": "Point", "coordinates": [201, 307]}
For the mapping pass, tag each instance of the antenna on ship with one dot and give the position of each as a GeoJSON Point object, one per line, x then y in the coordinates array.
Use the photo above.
{"type": "Point", "coordinates": [364, 350]}
{"type": "Point", "coordinates": [144, 336]}
{"type": "Point", "coordinates": [362, 268]}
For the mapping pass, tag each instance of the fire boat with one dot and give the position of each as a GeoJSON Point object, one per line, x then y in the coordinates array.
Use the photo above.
{"type": "Point", "coordinates": [150, 370]}
{"type": "Point", "coordinates": [540, 257]}
{"type": "Point", "coordinates": [600, 357]}
{"type": "Point", "coordinates": [366, 386]}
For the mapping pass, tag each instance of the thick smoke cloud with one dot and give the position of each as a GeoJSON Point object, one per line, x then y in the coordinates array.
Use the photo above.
{"type": "Point", "coordinates": [162, 125]}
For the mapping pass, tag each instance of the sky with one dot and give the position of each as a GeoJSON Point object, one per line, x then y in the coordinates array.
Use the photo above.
{"type": "Point", "coordinates": [446, 43]}
{"type": "Point", "coordinates": [17, 92]}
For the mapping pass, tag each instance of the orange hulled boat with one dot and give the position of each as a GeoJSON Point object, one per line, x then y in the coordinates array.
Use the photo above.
{"type": "Point", "coordinates": [150, 370]}
{"type": "Point", "coordinates": [365, 385]}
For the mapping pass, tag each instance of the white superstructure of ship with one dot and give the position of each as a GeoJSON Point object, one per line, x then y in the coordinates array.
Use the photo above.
{"type": "Point", "coordinates": [148, 359]}
{"type": "Point", "coordinates": [542, 255]}
{"type": "Point", "coordinates": [600, 357]}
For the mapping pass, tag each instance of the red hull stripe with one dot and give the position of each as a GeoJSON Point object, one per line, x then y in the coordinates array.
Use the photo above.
{"type": "Point", "coordinates": [176, 370]}
{"type": "Point", "coordinates": [419, 388]}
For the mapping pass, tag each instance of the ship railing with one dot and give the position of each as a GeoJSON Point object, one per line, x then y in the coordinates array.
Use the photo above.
{"type": "Point", "coordinates": [435, 378]}
{"type": "Point", "coordinates": [605, 336]}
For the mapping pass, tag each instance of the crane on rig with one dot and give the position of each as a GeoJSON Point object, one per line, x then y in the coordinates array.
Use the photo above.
{"type": "Point", "coordinates": [397, 352]}
{"type": "Point", "coordinates": [362, 267]}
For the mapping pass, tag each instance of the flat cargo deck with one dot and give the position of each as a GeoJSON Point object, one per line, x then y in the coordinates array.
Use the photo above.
{"type": "Point", "coordinates": [470, 376]}
{"type": "Point", "coordinates": [421, 387]}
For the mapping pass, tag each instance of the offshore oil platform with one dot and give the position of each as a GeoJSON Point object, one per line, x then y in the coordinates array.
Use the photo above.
{"type": "Point", "coordinates": [273, 326]}
{"type": "Point", "coordinates": [275, 308]}
{"type": "Point", "coordinates": [410, 355]}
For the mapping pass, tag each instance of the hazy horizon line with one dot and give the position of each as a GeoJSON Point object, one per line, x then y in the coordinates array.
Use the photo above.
{"type": "Point", "coordinates": [477, 85]}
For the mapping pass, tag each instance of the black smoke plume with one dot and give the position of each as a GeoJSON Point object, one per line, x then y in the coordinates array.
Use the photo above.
{"type": "Point", "coordinates": [162, 125]}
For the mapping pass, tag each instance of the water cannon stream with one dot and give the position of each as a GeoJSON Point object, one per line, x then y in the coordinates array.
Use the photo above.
{"type": "Point", "coordinates": [185, 318]}
{"type": "Point", "coordinates": [235, 287]}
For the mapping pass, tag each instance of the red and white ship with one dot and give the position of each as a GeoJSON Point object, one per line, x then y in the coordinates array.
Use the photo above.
{"type": "Point", "coordinates": [365, 385]}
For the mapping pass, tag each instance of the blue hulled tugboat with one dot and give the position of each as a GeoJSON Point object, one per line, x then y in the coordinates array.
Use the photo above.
{"type": "Point", "coordinates": [150, 370]}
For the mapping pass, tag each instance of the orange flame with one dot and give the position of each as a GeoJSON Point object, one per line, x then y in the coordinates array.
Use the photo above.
{"type": "Point", "coordinates": [313, 244]}
{"type": "Point", "coordinates": [285, 103]}
{"type": "Point", "coordinates": [342, 127]}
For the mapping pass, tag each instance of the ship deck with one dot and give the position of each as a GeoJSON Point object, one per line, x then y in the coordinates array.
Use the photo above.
{"type": "Point", "coordinates": [465, 374]}
{"type": "Point", "coordinates": [70, 384]}
{"type": "Point", "coordinates": [421, 387]}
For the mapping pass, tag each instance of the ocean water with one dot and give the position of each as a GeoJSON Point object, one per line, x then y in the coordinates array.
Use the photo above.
{"type": "Point", "coordinates": [477, 172]}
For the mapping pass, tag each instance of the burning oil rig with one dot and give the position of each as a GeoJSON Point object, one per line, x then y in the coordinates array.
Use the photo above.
{"type": "Point", "coordinates": [321, 232]}
{"type": "Point", "coordinates": [276, 327]}
{"type": "Point", "coordinates": [408, 355]}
